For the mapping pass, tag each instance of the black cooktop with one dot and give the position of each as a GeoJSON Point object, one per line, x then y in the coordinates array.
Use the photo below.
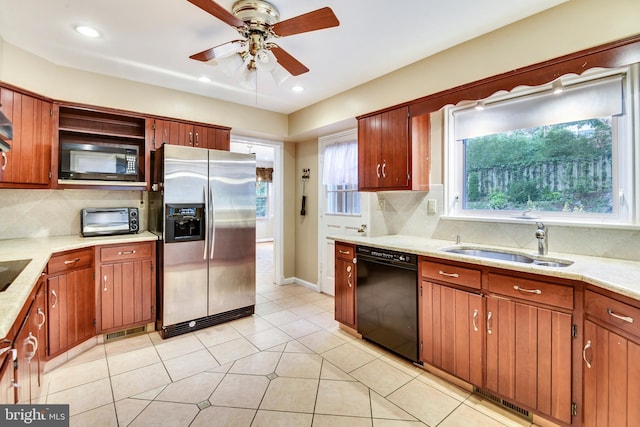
{"type": "Point", "coordinates": [9, 270]}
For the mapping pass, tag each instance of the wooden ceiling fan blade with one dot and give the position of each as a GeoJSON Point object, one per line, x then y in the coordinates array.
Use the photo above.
{"type": "Point", "coordinates": [218, 11]}
{"type": "Point", "coordinates": [217, 52]}
{"type": "Point", "coordinates": [312, 21]}
{"type": "Point", "coordinates": [288, 62]}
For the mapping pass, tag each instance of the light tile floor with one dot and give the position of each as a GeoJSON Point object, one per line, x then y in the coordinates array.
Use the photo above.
{"type": "Point", "coordinates": [288, 365]}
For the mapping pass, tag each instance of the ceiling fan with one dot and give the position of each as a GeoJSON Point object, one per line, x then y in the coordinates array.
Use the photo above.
{"type": "Point", "coordinates": [258, 22]}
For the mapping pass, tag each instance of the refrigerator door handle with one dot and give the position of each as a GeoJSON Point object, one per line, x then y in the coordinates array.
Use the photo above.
{"type": "Point", "coordinates": [212, 222]}
{"type": "Point", "coordinates": [206, 221]}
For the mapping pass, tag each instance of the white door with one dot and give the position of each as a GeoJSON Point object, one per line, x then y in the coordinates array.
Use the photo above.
{"type": "Point", "coordinates": [334, 224]}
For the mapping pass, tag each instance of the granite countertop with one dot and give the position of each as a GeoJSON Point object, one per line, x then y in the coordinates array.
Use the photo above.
{"type": "Point", "coordinates": [620, 276]}
{"type": "Point", "coordinates": [39, 250]}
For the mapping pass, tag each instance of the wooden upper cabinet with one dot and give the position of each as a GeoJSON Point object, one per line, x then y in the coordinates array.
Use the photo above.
{"type": "Point", "coordinates": [28, 163]}
{"type": "Point", "coordinates": [187, 134]}
{"type": "Point", "coordinates": [393, 151]}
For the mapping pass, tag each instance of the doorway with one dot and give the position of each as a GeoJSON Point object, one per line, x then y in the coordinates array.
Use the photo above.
{"type": "Point", "coordinates": [269, 155]}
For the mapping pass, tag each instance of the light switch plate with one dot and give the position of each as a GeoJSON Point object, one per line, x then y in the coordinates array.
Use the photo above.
{"type": "Point", "coordinates": [431, 207]}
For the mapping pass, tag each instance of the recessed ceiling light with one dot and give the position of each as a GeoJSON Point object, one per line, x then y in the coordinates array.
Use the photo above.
{"type": "Point", "coordinates": [204, 79]}
{"type": "Point", "coordinates": [87, 31]}
{"type": "Point", "coordinates": [297, 89]}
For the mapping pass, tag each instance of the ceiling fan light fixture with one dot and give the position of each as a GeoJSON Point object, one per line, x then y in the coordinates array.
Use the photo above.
{"type": "Point", "coordinates": [279, 74]}
{"type": "Point", "coordinates": [230, 65]}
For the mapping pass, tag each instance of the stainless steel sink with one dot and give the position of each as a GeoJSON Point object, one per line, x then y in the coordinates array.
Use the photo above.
{"type": "Point", "coordinates": [9, 270]}
{"type": "Point", "coordinates": [507, 256]}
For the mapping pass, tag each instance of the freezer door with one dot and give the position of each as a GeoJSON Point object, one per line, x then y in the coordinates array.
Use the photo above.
{"type": "Point", "coordinates": [184, 284]}
{"type": "Point", "coordinates": [232, 269]}
{"type": "Point", "coordinates": [185, 174]}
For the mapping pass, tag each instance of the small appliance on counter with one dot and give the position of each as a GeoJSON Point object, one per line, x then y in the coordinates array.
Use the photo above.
{"type": "Point", "coordinates": [109, 221]}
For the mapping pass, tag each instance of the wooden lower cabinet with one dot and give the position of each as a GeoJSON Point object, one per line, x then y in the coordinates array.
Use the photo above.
{"type": "Point", "coordinates": [7, 380]}
{"type": "Point", "coordinates": [70, 300]}
{"type": "Point", "coordinates": [611, 362]}
{"type": "Point", "coordinates": [529, 356]}
{"type": "Point", "coordinates": [345, 285]}
{"type": "Point", "coordinates": [125, 285]}
{"type": "Point", "coordinates": [611, 378]}
{"type": "Point", "coordinates": [451, 329]}
{"type": "Point", "coordinates": [30, 346]}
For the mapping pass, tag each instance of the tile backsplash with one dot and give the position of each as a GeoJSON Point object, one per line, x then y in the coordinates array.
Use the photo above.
{"type": "Point", "coordinates": [405, 213]}
{"type": "Point", "coordinates": [42, 213]}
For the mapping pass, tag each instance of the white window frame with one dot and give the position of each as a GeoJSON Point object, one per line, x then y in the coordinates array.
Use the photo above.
{"type": "Point", "coordinates": [625, 156]}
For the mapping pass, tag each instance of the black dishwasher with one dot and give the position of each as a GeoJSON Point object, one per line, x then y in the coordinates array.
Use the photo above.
{"type": "Point", "coordinates": [387, 299]}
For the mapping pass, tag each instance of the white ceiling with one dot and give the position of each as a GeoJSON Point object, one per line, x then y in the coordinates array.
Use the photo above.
{"type": "Point", "coordinates": [150, 41]}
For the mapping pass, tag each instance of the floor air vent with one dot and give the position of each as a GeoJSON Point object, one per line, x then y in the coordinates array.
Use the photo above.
{"type": "Point", "coordinates": [127, 332]}
{"type": "Point", "coordinates": [505, 404]}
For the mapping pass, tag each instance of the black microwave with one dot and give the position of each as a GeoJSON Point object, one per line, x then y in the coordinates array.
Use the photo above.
{"type": "Point", "coordinates": [101, 162]}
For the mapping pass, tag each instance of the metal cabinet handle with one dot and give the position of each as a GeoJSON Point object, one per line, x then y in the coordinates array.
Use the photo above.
{"type": "Point", "coordinates": [442, 273]}
{"type": "Point", "coordinates": [489, 330]}
{"type": "Point", "coordinates": [104, 279]}
{"type": "Point", "coordinates": [343, 252]}
{"type": "Point", "coordinates": [384, 169]}
{"type": "Point", "coordinates": [197, 139]}
{"type": "Point", "coordinates": [190, 138]}
{"type": "Point", "coordinates": [475, 320]}
{"type": "Point", "coordinates": [378, 170]}
{"type": "Point", "coordinates": [33, 342]}
{"type": "Point", "coordinates": [71, 261]}
{"type": "Point", "coordinates": [126, 252]}
{"type": "Point", "coordinates": [587, 346]}
{"type": "Point", "coordinates": [349, 276]}
{"type": "Point", "coordinates": [5, 161]}
{"type": "Point", "coordinates": [53, 292]}
{"type": "Point", "coordinates": [627, 319]}
{"type": "Point", "coordinates": [530, 291]}
{"type": "Point", "coordinates": [44, 317]}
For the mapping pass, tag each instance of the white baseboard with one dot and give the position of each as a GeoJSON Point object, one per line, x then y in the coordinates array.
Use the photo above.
{"type": "Point", "coordinates": [298, 281]}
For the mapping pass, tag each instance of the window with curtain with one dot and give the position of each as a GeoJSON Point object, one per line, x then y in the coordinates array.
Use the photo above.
{"type": "Point", "coordinates": [340, 177]}
{"type": "Point", "coordinates": [553, 151]}
{"type": "Point", "coordinates": [264, 178]}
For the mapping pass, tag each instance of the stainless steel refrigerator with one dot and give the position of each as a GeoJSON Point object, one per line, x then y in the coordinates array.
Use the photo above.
{"type": "Point", "coordinates": [203, 207]}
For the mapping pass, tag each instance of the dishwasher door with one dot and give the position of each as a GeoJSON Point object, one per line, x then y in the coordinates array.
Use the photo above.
{"type": "Point", "coordinates": [387, 305]}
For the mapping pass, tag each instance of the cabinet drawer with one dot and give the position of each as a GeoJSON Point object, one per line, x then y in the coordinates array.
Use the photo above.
{"type": "Point", "coordinates": [532, 290]}
{"type": "Point", "coordinates": [60, 263]}
{"type": "Point", "coordinates": [451, 274]}
{"type": "Point", "coordinates": [345, 252]}
{"type": "Point", "coordinates": [613, 312]}
{"type": "Point", "coordinates": [125, 252]}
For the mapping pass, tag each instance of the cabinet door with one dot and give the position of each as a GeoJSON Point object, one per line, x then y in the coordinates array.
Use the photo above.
{"type": "Point", "coordinates": [611, 378]}
{"type": "Point", "coordinates": [345, 283]}
{"type": "Point", "coordinates": [29, 161]}
{"type": "Point", "coordinates": [529, 356]}
{"type": "Point", "coordinates": [57, 309]}
{"type": "Point", "coordinates": [7, 375]}
{"type": "Point", "coordinates": [126, 294]}
{"type": "Point", "coordinates": [395, 149]}
{"type": "Point", "coordinates": [451, 329]}
{"type": "Point", "coordinates": [71, 309]}
{"type": "Point", "coordinates": [369, 146]}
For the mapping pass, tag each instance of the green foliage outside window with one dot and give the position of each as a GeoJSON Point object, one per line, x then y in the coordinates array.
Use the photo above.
{"type": "Point", "coordinates": [561, 168]}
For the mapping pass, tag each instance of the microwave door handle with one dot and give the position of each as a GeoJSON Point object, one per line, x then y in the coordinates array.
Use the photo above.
{"type": "Point", "coordinates": [206, 219]}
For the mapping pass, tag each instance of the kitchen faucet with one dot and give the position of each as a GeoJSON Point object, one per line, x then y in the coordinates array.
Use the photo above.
{"type": "Point", "coordinates": [542, 236]}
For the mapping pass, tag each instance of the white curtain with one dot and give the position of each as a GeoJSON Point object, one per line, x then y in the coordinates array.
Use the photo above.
{"type": "Point", "coordinates": [598, 98]}
{"type": "Point", "coordinates": [341, 164]}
